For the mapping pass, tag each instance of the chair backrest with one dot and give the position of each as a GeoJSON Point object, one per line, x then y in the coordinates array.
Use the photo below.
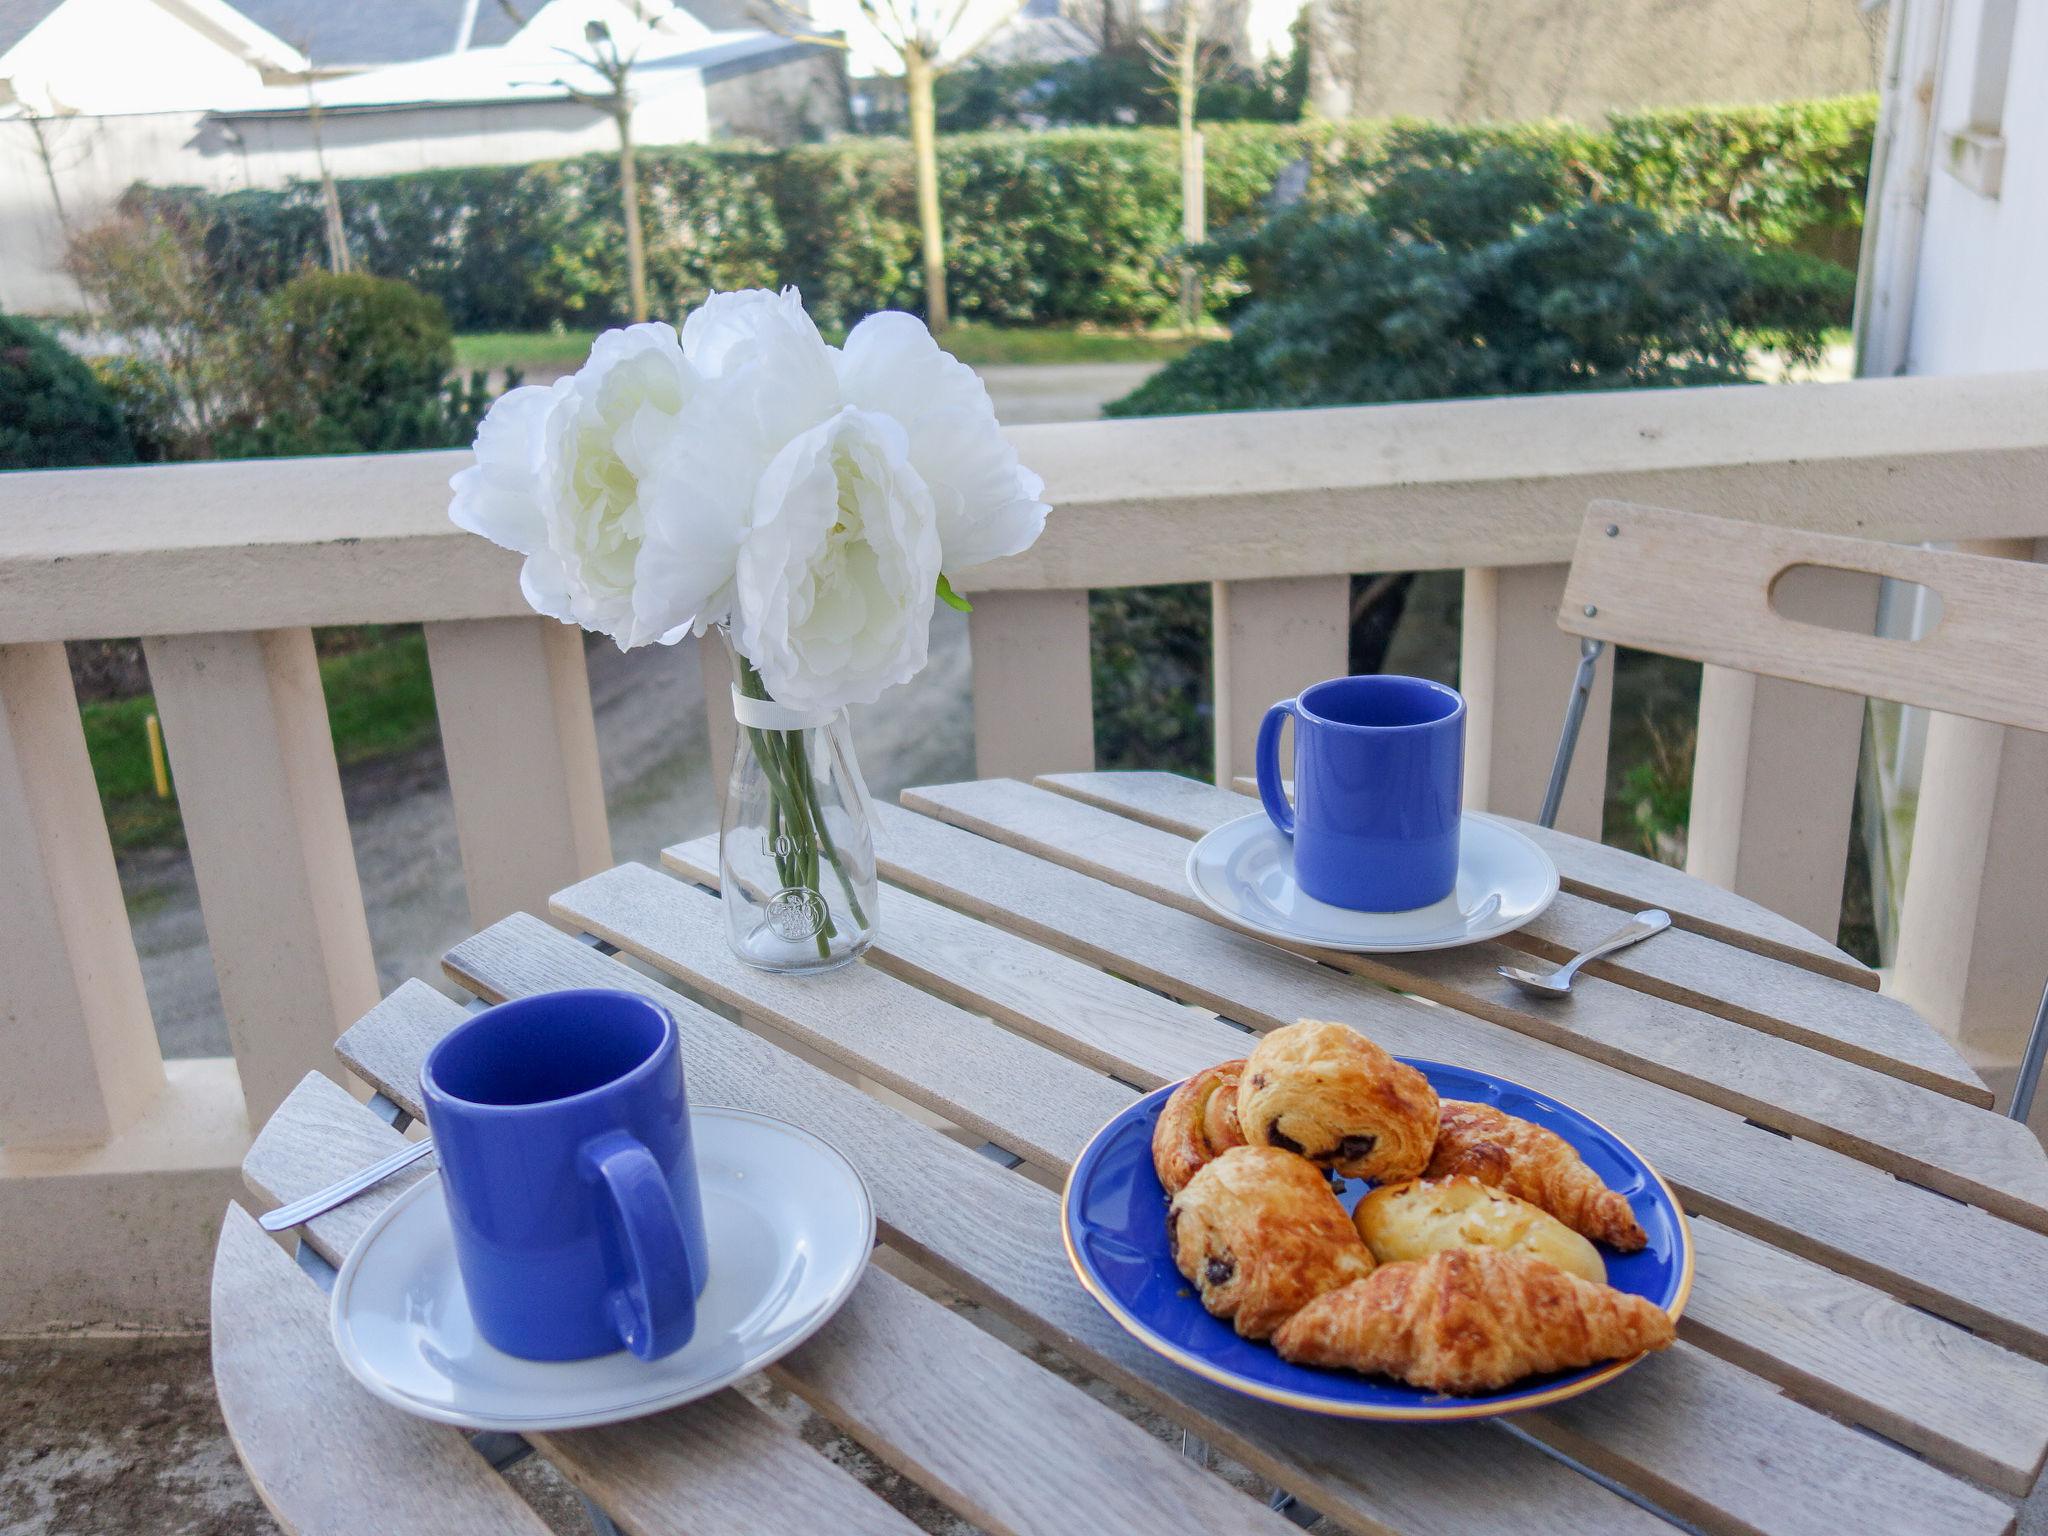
{"type": "Point", "coordinates": [1682, 584]}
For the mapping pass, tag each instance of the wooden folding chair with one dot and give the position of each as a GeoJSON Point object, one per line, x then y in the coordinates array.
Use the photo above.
{"type": "Point", "coordinates": [1681, 584]}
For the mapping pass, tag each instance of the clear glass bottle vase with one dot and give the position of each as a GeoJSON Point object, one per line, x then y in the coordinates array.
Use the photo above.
{"type": "Point", "coordinates": [796, 848]}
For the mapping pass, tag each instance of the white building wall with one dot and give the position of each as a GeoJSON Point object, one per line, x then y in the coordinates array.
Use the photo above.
{"type": "Point", "coordinates": [98, 158]}
{"type": "Point", "coordinates": [1980, 303]}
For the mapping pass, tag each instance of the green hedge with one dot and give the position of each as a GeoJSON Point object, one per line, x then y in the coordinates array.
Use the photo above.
{"type": "Point", "coordinates": [1068, 226]}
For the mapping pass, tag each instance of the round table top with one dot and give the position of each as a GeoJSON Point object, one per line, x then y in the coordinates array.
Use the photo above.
{"type": "Point", "coordinates": [1870, 1236]}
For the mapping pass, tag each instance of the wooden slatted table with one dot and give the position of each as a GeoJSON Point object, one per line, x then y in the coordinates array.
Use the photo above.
{"type": "Point", "coordinates": [1863, 1350]}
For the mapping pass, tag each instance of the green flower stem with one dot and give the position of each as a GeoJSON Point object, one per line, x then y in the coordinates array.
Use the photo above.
{"type": "Point", "coordinates": [803, 765]}
{"type": "Point", "coordinates": [795, 867]}
{"type": "Point", "coordinates": [786, 762]}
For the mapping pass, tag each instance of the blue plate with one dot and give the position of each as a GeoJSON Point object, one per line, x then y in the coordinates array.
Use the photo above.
{"type": "Point", "coordinates": [1114, 1218]}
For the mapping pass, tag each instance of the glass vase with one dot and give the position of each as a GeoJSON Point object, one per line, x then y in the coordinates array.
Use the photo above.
{"type": "Point", "coordinates": [796, 849]}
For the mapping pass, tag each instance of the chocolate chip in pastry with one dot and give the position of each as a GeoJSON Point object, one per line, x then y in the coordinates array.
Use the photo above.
{"type": "Point", "coordinates": [1327, 1092]}
{"type": "Point", "coordinates": [1470, 1320]}
{"type": "Point", "coordinates": [1532, 1164]}
{"type": "Point", "coordinates": [1259, 1234]}
{"type": "Point", "coordinates": [1410, 1221]}
{"type": "Point", "coordinates": [1197, 1123]}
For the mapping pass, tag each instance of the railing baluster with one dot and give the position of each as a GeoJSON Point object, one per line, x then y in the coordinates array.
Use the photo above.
{"type": "Point", "coordinates": [246, 727]}
{"type": "Point", "coordinates": [1516, 672]}
{"type": "Point", "coordinates": [80, 1051]}
{"type": "Point", "coordinates": [1034, 702]}
{"type": "Point", "coordinates": [1774, 772]}
{"type": "Point", "coordinates": [516, 728]}
{"type": "Point", "coordinates": [1272, 639]}
{"type": "Point", "coordinates": [1973, 925]}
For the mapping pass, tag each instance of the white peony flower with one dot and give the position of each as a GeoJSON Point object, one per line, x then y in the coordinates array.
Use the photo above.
{"type": "Point", "coordinates": [768, 377]}
{"type": "Point", "coordinates": [988, 504]}
{"type": "Point", "coordinates": [837, 576]}
{"type": "Point", "coordinates": [558, 478]}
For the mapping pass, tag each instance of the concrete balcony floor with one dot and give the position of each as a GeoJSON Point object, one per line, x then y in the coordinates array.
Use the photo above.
{"type": "Point", "coordinates": [121, 1435]}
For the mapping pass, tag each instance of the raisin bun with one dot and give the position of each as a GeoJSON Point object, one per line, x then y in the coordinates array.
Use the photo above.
{"type": "Point", "coordinates": [1197, 1124]}
{"type": "Point", "coordinates": [1339, 1100]}
{"type": "Point", "coordinates": [1424, 1216]}
{"type": "Point", "coordinates": [1259, 1234]}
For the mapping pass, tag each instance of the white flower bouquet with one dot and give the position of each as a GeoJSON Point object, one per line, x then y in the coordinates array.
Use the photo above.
{"type": "Point", "coordinates": [808, 501]}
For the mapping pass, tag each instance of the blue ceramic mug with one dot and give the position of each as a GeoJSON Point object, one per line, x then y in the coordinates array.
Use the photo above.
{"type": "Point", "coordinates": [1379, 767]}
{"type": "Point", "coordinates": [563, 1135]}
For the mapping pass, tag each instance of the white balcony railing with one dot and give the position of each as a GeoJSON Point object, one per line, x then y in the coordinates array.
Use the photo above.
{"type": "Point", "coordinates": [224, 569]}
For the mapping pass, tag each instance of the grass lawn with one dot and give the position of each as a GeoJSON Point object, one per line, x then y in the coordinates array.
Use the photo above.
{"type": "Point", "coordinates": [971, 342]}
{"type": "Point", "coordinates": [380, 702]}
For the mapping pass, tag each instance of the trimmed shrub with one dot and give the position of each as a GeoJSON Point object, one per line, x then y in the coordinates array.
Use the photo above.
{"type": "Point", "coordinates": [1468, 269]}
{"type": "Point", "coordinates": [348, 364]}
{"type": "Point", "coordinates": [53, 412]}
{"type": "Point", "coordinates": [1077, 225]}
{"type": "Point", "coordinates": [1487, 272]}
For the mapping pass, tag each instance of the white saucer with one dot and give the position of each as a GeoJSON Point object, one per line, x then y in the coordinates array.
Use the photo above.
{"type": "Point", "coordinates": [1244, 873]}
{"type": "Point", "coordinates": [789, 1224]}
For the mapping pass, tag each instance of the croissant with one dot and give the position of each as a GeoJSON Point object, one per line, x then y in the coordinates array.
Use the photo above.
{"type": "Point", "coordinates": [1535, 1165]}
{"type": "Point", "coordinates": [1471, 1320]}
{"type": "Point", "coordinates": [1197, 1123]}
{"type": "Point", "coordinates": [1338, 1099]}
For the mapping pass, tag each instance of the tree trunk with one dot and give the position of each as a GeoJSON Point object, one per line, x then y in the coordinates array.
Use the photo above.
{"type": "Point", "coordinates": [330, 194]}
{"type": "Point", "coordinates": [35, 126]}
{"type": "Point", "coordinates": [918, 73]}
{"type": "Point", "coordinates": [1193, 216]}
{"type": "Point", "coordinates": [629, 198]}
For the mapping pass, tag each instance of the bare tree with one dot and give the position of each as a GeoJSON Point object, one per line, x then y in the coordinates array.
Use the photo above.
{"type": "Point", "coordinates": [1184, 54]}
{"type": "Point", "coordinates": [338, 259]}
{"type": "Point", "coordinates": [615, 68]}
{"type": "Point", "coordinates": [927, 38]}
{"type": "Point", "coordinates": [39, 125]}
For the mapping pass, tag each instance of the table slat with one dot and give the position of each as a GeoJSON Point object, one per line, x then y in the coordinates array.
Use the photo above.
{"type": "Point", "coordinates": [995, 1236]}
{"type": "Point", "coordinates": [1941, 1390]}
{"type": "Point", "coordinates": [1126, 1031]}
{"type": "Point", "coordinates": [718, 1464]}
{"type": "Point", "coordinates": [326, 1456]}
{"type": "Point", "coordinates": [988, 1080]}
{"type": "Point", "coordinates": [1835, 1341]}
{"type": "Point", "coordinates": [1800, 1196]}
{"type": "Point", "coordinates": [1612, 875]}
{"type": "Point", "coordinates": [1832, 1016]}
{"type": "Point", "coordinates": [993, 1464]}
{"type": "Point", "coordinates": [1915, 1132]}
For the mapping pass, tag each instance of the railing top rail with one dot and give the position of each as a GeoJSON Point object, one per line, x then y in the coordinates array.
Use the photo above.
{"type": "Point", "coordinates": [268, 543]}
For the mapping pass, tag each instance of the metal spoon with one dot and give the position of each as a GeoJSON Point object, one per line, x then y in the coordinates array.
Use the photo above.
{"type": "Point", "coordinates": [1556, 983]}
{"type": "Point", "coordinates": [342, 1190]}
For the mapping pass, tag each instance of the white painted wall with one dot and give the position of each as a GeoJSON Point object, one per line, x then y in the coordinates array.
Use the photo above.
{"type": "Point", "coordinates": [1980, 302]}
{"type": "Point", "coordinates": [98, 158]}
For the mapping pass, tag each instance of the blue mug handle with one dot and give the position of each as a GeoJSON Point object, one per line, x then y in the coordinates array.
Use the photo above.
{"type": "Point", "coordinates": [1266, 763]}
{"type": "Point", "coordinates": [656, 1312]}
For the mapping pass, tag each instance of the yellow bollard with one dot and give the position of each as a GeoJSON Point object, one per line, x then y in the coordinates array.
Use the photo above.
{"type": "Point", "coordinates": [157, 765]}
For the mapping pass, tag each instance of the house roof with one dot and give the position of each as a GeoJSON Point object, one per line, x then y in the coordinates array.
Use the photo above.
{"type": "Point", "coordinates": [502, 74]}
{"type": "Point", "coordinates": [18, 17]}
{"type": "Point", "coordinates": [362, 32]}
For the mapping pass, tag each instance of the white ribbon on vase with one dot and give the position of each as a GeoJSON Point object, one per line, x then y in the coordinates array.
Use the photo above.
{"type": "Point", "coordinates": [767, 715]}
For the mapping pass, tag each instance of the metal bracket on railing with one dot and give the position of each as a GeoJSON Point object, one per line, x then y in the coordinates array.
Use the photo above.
{"type": "Point", "coordinates": [2030, 1064]}
{"type": "Point", "coordinates": [1574, 717]}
